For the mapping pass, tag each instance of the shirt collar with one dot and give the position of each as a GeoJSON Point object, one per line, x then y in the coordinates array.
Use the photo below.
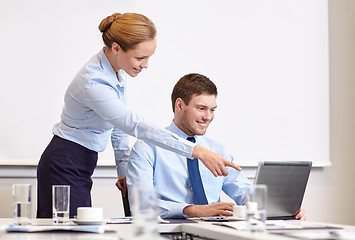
{"type": "Point", "coordinates": [174, 129]}
{"type": "Point", "coordinates": [121, 78]}
{"type": "Point", "coordinates": [106, 66]}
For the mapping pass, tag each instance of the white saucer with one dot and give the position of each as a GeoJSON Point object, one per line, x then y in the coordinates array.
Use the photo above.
{"type": "Point", "coordinates": [89, 222]}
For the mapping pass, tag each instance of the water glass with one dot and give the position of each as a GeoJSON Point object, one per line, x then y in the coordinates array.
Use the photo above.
{"type": "Point", "coordinates": [21, 194]}
{"type": "Point", "coordinates": [145, 211]}
{"type": "Point", "coordinates": [256, 208]}
{"type": "Point", "coordinates": [61, 199]}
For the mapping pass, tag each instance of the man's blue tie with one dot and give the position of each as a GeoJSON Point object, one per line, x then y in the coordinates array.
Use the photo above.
{"type": "Point", "coordinates": [198, 193]}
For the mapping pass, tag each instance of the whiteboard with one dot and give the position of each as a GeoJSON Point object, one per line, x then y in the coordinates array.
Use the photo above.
{"type": "Point", "coordinates": [269, 60]}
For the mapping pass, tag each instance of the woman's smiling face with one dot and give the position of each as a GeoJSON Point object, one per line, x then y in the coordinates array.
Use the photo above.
{"type": "Point", "coordinates": [134, 60]}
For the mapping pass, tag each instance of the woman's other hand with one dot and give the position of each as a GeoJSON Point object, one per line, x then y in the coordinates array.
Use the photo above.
{"type": "Point", "coordinates": [122, 185]}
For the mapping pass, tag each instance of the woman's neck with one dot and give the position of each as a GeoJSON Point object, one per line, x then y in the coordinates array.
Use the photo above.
{"type": "Point", "coordinates": [110, 57]}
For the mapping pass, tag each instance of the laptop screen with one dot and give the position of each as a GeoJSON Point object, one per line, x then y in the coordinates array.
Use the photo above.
{"type": "Point", "coordinates": [286, 182]}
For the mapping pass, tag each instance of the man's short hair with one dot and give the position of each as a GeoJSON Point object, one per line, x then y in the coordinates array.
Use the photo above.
{"type": "Point", "coordinates": [192, 84]}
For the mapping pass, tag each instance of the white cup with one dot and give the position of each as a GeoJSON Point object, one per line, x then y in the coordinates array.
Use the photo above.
{"type": "Point", "coordinates": [240, 211]}
{"type": "Point", "coordinates": [89, 214]}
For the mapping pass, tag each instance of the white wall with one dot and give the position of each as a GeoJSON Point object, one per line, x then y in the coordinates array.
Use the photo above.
{"type": "Point", "coordinates": [269, 60]}
{"type": "Point", "coordinates": [331, 191]}
{"type": "Point", "coordinates": [330, 195]}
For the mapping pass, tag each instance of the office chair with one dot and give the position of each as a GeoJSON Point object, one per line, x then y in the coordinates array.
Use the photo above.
{"type": "Point", "coordinates": [127, 211]}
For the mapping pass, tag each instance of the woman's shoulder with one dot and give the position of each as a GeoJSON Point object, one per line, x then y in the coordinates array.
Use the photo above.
{"type": "Point", "coordinates": [97, 70]}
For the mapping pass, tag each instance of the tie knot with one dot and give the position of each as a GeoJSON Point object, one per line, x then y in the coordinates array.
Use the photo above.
{"type": "Point", "coordinates": [191, 139]}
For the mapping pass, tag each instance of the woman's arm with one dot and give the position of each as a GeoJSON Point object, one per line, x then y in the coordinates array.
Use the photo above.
{"type": "Point", "coordinates": [103, 100]}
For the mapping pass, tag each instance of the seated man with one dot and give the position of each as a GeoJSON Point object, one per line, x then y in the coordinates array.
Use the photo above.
{"type": "Point", "coordinates": [184, 190]}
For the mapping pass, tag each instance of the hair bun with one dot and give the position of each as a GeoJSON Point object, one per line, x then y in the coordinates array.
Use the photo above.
{"type": "Point", "coordinates": [106, 23]}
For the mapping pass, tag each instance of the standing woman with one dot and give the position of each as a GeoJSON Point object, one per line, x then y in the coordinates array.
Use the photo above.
{"type": "Point", "coordinates": [95, 110]}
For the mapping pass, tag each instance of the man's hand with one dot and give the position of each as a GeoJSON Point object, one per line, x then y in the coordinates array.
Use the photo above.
{"type": "Point", "coordinates": [215, 163]}
{"type": "Point", "coordinates": [122, 185]}
{"type": "Point", "coordinates": [216, 209]}
{"type": "Point", "coordinates": [301, 215]}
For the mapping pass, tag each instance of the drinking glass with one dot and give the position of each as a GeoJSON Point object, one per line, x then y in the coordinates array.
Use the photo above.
{"type": "Point", "coordinates": [21, 194]}
{"type": "Point", "coordinates": [145, 211]}
{"type": "Point", "coordinates": [61, 199]}
{"type": "Point", "coordinates": [256, 208]}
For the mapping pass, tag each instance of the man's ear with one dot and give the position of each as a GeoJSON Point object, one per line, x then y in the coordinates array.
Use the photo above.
{"type": "Point", "coordinates": [179, 103]}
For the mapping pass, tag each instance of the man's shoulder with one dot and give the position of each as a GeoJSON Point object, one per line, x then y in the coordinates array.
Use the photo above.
{"type": "Point", "coordinates": [142, 151]}
{"type": "Point", "coordinates": [142, 145]}
{"type": "Point", "coordinates": [210, 143]}
{"type": "Point", "coordinates": [215, 146]}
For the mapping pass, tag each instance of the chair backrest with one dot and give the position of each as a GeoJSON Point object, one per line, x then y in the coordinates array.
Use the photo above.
{"type": "Point", "coordinates": [126, 208]}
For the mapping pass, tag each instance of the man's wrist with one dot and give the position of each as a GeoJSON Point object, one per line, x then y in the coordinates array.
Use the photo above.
{"type": "Point", "coordinates": [187, 210]}
{"type": "Point", "coordinates": [191, 211]}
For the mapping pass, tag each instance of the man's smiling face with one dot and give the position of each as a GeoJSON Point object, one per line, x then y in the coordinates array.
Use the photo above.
{"type": "Point", "coordinates": [195, 117]}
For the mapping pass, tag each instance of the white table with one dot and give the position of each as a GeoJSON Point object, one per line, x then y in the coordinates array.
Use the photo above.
{"type": "Point", "coordinates": [125, 232]}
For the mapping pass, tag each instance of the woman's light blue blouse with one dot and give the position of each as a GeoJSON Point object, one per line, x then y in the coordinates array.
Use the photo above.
{"type": "Point", "coordinates": [95, 109]}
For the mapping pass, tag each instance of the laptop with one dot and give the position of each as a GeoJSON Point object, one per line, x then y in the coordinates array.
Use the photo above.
{"type": "Point", "coordinates": [286, 184]}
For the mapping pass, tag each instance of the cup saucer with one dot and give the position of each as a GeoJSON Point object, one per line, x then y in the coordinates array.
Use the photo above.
{"type": "Point", "coordinates": [89, 222]}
